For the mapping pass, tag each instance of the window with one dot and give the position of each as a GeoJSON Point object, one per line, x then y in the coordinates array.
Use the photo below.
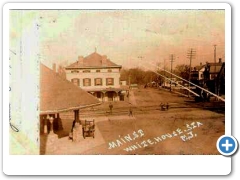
{"type": "Point", "coordinates": [87, 82]}
{"type": "Point", "coordinates": [74, 71]}
{"type": "Point", "coordinates": [86, 71]}
{"type": "Point", "coordinates": [98, 82]}
{"type": "Point", "coordinates": [109, 70]}
{"type": "Point", "coordinates": [98, 70]}
{"type": "Point", "coordinates": [75, 81]}
{"type": "Point", "coordinates": [109, 81]}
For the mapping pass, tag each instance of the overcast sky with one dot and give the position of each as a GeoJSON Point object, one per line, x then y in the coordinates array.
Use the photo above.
{"type": "Point", "coordinates": [126, 35]}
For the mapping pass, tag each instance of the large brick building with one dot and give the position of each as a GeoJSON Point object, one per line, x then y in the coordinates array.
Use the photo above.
{"type": "Point", "coordinates": [97, 75]}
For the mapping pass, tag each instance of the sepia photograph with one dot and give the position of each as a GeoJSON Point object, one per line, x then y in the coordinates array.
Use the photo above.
{"type": "Point", "coordinates": [125, 81]}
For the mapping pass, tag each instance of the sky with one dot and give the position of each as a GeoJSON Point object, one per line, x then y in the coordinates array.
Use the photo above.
{"type": "Point", "coordinates": [131, 38]}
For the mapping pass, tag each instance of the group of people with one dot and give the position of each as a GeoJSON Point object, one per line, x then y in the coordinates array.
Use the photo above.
{"type": "Point", "coordinates": [205, 96]}
{"type": "Point", "coordinates": [164, 107]}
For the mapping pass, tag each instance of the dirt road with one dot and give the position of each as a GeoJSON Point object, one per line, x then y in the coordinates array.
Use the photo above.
{"type": "Point", "coordinates": [186, 128]}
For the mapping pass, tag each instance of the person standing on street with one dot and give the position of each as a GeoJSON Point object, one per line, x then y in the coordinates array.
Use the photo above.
{"type": "Point", "coordinates": [130, 112]}
{"type": "Point", "coordinates": [110, 108]}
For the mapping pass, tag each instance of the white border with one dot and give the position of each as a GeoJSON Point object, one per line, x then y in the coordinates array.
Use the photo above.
{"type": "Point", "coordinates": [115, 165]}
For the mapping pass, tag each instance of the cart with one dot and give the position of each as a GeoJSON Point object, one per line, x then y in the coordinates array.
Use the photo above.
{"type": "Point", "coordinates": [88, 128]}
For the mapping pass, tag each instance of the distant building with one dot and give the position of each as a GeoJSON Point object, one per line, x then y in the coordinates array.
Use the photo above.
{"type": "Point", "coordinates": [197, 74]}
{"type": "Point", "coordinates": [123, 83]}
{"type": "Point", "coordinates": [209, 71]}
{"type": "Point", "coordinates": [97, 75]}
{"type": "Point", "coordinates": [212, 75]}
{"type": "Point", "coordinates": [212, 69]}
{"type": "Point", "coordinates": [133, 86]}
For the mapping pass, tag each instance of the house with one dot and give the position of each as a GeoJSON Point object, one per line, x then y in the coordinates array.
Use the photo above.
{"type": "Point", "coordinates": [97, 75]}
{"type": "Point", "coordinates": [212, 75]}
{"type": "Point", "coordinates": [197, 74]}
{"type": "Point", "coordinates": [209, 71]}
{"type": "Point", "coordinates": [213, 69]}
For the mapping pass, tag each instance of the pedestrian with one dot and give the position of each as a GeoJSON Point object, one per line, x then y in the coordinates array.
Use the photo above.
{"type": "Point", "coordinates": [208, 97]}
{"type": "Point", "coordinates": [162, 107]}
{"type": "Point", "coordinates": [110, 108]}
{"type": "Point", "coordinates": [130, 112]}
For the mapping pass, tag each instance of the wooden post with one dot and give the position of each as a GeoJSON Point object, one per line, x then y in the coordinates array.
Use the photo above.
{"type": "Point", "coordinates": [77, 130]}
{"type": "Point", "coordinates": [51, 146]}
{"type": "Point", "coordinates": [45, 129]}
{"type": "Point", "coordinates": [76, 115]}
{"type": "Point", "coordinates": [51, 126]}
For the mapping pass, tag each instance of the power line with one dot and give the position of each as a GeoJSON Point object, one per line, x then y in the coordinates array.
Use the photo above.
{"type": "Point", "coordinates": [175, 82]}
{"type": "Point", "coordinates": [215, 95]}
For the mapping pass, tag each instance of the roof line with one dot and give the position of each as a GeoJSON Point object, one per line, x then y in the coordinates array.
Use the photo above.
{"type": "Point", "coordinates": [67, 109]}
{"type": "Point", "coordinates": [90, 67]}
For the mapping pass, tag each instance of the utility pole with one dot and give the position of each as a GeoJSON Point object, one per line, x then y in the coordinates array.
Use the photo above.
{"type": "Point", "coordinates": [164, 73]}
{"type": "Point", "coordinates": [172, 57]}
{"type": "Point", "coordinates": [129, 86]}
{"type": "Point", "coordinates": [159, 81]}
{"type": "Point", "coordinates": [215, 50]}
{"type": "Point", "coordinates": [215, 69]}
{"type": "Point", "coordinates": [191, 54]}
{"type": "Point", "coordinates": [129, 80]}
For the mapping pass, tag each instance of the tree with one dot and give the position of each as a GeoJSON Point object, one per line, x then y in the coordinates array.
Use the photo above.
{"type": "Point", "coordinates": [149, 76]}
{"type": "Point", "coordinates": [138, 76]}
{"type": "Point", "coordinates": [124, 74]}
{"type": "Point", "coordinates": [182, 70]}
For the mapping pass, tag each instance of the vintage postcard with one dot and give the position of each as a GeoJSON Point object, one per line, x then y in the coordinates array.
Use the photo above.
{"type": "Point", "coordinates": [119, 79]}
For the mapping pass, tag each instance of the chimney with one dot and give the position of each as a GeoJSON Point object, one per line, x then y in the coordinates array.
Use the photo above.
{"type": "Point", "coordinates": [54, 67]}
{"type": "Point", "coordinates": [220, 60]}
{"type": "Point", "coordinates": [80, 60]}
{"type": "Point", "coordinates": [104, 60]}
{"type": "Point", "coordinates": [61, 72]}
{"type": "Point", "coordinates": [59, 69]}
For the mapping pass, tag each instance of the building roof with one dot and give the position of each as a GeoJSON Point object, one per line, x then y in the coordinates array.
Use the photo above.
{"type": "Point", "coordinates": [198, 68]}
{"type": "Point", "coordinates": [213, 70]}
{"type": "Point", "coordinates": [212, 66]}
{"type": "Point", "coordinates": [93, 60]}
{"type": "Point", "coordinates": [58, 94]}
